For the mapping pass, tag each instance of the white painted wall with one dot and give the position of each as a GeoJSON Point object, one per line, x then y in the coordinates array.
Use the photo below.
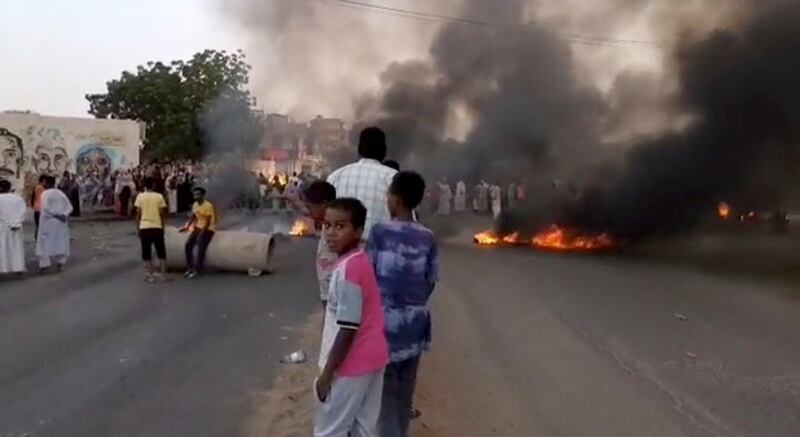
{"type": "Point", "coordinates": [32, 145]}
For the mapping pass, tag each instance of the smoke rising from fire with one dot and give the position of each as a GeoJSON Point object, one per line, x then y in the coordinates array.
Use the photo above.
{"type": "Point", "coordinates": [314, 56]}
{"type": "Point", "coordinates": [740, 85]}
{"type": "Point", "coordinates": [515, 87]}
{"type": "Point", "coordinates": [652, 137]}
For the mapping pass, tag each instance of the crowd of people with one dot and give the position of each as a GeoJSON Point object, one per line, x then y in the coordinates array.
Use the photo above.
{"type": "Point", "coordinates": [377, 266]}
{"type": "Point", "coordinates": [244, 189]}
{"type": "Point", "coordinates": [481, 198]}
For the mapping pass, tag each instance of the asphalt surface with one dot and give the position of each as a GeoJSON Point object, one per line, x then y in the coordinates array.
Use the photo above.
{"type": "Point", "coordinates": [525, 344]}
{"type": "Point", "coordinates": [537, 344]}
{"type": "Point", "coordinates": [96, 351]}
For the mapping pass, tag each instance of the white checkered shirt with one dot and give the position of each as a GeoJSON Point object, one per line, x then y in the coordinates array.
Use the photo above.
{"type": "Point", "coordinates": [368, 181]}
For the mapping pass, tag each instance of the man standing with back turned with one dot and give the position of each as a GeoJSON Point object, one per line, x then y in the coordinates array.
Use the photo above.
{"type": "Point", "coordinates": [53, 241]}
{"type": "Point", "coordinates": [12, 213]}
{"type": "Point", "coordinates": [368, 179]}
{"type": "Point", "coordinates": [151, 213]}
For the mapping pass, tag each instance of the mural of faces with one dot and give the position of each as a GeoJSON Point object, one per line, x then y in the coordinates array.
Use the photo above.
{"type": "Point", "coordinates": [93, 161]}
{"type": "Point", "coordinates": [49, 159]}
{"type": "Point", "coordinates": [12, 158]}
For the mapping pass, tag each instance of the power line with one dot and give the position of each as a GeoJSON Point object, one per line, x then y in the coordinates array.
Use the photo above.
{"type": "Point", "coordinates": [414, 13]}
{"type": "Point", "coordinates": [407, 13]}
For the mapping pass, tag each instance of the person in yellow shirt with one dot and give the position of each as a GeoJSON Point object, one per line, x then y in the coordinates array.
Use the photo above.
{"type": "Point", "coordinates": [202, 226]}
{"type": "Point", "coordinates": [151, 212]}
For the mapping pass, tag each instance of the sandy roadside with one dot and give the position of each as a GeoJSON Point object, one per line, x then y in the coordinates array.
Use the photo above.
{"type": "Point", "coordinates": [286, 410]}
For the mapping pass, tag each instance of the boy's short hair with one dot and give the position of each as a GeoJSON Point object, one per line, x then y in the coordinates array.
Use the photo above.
{"type": "Point", "coordinates": [200, 190]}
{"type": "Point", "coordinates": [409, 186]}
{"type": "Point", "coordinates": [319, 192]}
{"type": "Point", "coordinates": [150, 183]}
{"type": "Point", "coordinates": [356, 209]}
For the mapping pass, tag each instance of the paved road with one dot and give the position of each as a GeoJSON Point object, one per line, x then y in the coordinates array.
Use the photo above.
{"type": "Point", "coordinates": [95, 351]}
{"type": "Point", "coordinates": [531, 344]}
{"type": "Point", "coordinates": [525, 344]}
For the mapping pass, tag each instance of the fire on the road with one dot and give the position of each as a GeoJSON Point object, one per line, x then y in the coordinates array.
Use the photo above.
{"type": "Point", "coordinates": [486, 238]}
{"type": "Point", "coordinates": [299, 229]}
{"type": "Point", "coordinates": [558, 238]}
{"type": "Point", "coordinates": [724, 211]}
{"type": "Point", "coordinates": [553, 238]}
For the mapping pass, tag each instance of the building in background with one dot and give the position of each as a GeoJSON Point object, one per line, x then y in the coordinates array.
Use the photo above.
{"type": "Point", "coordinates": [289, 146]}
{"type": "Point", "coordinates": [327, 136]}
{"type": "Point", "coordinates": [32, 145]}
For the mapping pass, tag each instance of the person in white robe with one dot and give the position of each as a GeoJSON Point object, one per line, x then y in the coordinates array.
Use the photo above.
{"type": "Point", "coordinates": [460, 204]}
{"type": "Point", "coordinates": [445, 196]}
{"type": "Point", "coordinates": [53, 241]}
{"type": "Point", "coordinates": [496, 195]}
{"type": "Point", "coordinates": [483, 197]}
{"type": "Point", "coordinates": [12, 214]}
{"type": "Point", "coordinates": [172, 192]}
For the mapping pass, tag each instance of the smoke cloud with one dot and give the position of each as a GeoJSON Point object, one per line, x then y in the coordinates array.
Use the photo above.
{"type": "Point", "coordinates": [743, 145]}
{"type": "Point", "coordinates": [652, 136]}
{"type": "Point", "coordinates": [512, 90]}
{"type": "Point", "coordinates": [315, 56]}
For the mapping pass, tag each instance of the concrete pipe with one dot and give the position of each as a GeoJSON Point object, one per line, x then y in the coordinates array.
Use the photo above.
{"type": "Point", "coordinates": [231, 251]}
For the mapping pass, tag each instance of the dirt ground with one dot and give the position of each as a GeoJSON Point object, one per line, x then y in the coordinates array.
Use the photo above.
{"type": "Point", "coordinates": [286, 410]}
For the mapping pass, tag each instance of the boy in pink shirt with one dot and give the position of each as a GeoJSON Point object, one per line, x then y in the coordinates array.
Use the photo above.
{"type": "Point", "coordinates": [353, 352]}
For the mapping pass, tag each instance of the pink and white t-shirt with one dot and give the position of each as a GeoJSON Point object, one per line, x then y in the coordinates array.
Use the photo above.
{"type": "Point", "coordinates": [354, 302]}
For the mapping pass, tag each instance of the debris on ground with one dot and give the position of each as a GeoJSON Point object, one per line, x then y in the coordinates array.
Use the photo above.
{"type": "Point", "coordinates": [297, 357]}
{"type": "Point", "coordinates": [681, 317]}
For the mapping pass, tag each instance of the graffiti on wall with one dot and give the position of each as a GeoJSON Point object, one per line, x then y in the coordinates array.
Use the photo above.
{"type": "Point", "coordinates": [48, 155]}
{"type": "Point", "coordinates": [30, 151]}
{"type": "Point", "coordinates": [95, 160]}
{"type": "Point", "coordinates": [12, 155]}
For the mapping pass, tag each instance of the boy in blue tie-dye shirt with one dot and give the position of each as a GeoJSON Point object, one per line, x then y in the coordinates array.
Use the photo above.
{"type": "Point", "coordinates": [405, 257]}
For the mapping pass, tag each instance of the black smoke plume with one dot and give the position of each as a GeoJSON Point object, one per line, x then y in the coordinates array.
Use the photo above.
{"type": "Point", "coordinates": [515, 86]}
{"type": "Point", "coordinates": [743, 146]}
{"type": "Point", "coordinates": [529, 115]}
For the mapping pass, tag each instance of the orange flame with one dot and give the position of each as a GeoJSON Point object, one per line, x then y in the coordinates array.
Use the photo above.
{"type": "Point", "coordinates": [486, 238]}
{"type": "Point", "coordinates": [556, 238]}
{"type": "Point", "coordinates": [512, 239]}
{"type": "Point", "coordinates": [299, 228]}
{"type": "Point", "coordinates": [724, 210]}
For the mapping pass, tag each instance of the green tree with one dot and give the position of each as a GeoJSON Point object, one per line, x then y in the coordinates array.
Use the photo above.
{"type": "Point", "coordinates": [189, 107]}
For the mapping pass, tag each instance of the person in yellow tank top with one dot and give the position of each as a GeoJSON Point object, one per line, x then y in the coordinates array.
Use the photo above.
{"type": "Point", "coordinates": [202, 225]}
{"type": "Point", "coordinates": [151, 213]}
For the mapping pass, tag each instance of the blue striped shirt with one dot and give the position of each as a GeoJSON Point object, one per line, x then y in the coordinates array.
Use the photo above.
{"type": "Point", "coordinates": [405, 258]}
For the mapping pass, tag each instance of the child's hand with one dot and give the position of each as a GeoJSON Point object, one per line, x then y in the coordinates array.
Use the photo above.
{"type": "Point", "coordinates": [323, 387]}
{"type": "Point", "coordinates": [183, 229]}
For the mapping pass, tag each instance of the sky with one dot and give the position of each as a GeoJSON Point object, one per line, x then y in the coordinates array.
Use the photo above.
{"type": "Point", "coordinates": [55, 51]}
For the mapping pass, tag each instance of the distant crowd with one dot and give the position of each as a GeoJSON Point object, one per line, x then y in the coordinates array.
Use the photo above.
{"type": "Point", "coordinates": [175, 181]}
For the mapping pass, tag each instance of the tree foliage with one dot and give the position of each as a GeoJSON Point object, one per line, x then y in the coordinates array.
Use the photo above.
{"type": "Point", "coordinates": [189, 107]}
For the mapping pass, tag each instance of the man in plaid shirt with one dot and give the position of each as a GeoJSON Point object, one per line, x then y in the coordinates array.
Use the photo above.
{"type": "Point", "coordinates": [368, 179]}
